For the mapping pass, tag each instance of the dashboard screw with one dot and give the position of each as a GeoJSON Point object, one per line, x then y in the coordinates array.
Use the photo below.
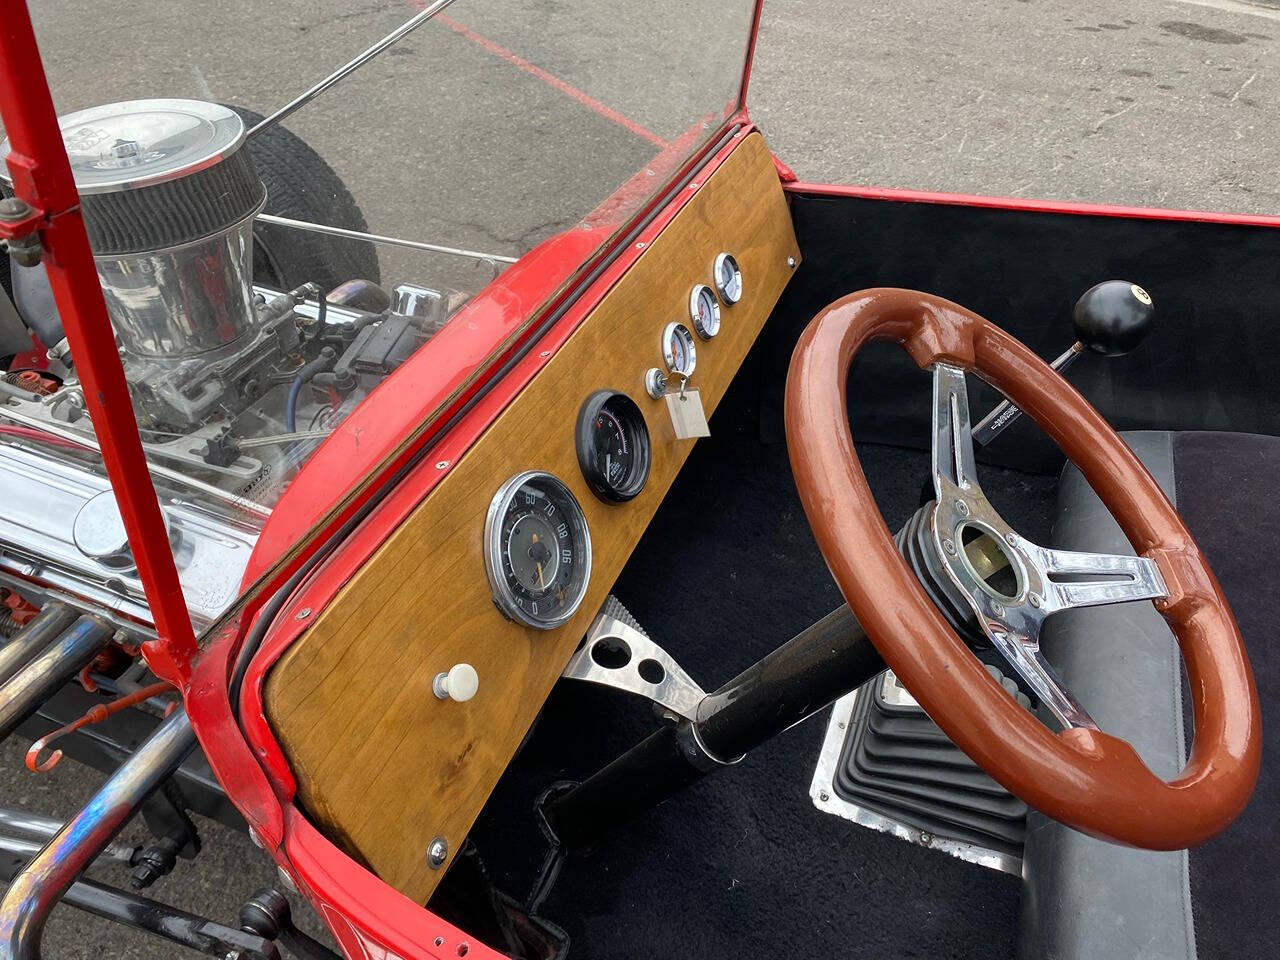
{"type": "Point", "coordinates": [1011, 539]}
{"type": "Point", "coordinates": [442, 464]}
{"type": "Point", "coordinates": [437, 853]}
{"type": "Point", "coordinates": [962, 508]}
{"type": "Point", "coordinates": [303, 613]}
{"type": "Point", "coordinates": [949, 547]}
{"type": "Point", "coordinates": [997, 608]}
{"type": "Point", "coordinates": [1035, 600]}
{"type": "Point", "coordinates": [791, 262]}
{"type": "Point", "coordinates": [824, 796]}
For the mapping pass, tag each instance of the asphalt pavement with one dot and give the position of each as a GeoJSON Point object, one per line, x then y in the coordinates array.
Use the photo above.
{"type": "Point", "coordinates": [518, 118]}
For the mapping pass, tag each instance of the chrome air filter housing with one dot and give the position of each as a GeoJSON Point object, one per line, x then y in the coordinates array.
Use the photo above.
{"type": "Point", "coordinates": [168, 194]}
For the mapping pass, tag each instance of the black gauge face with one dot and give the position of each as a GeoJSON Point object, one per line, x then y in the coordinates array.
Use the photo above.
{"type": "Point", "coordinates": [613, 446]}
{"type": "Point", "coordinates": [537, 550]}
{"type": "Point", "coordinates": [704, 311]}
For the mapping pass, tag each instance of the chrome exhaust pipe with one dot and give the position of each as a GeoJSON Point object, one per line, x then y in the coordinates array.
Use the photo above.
{"type": "Point", "coordinates": [47, 626]}
{"type": "Point", "coordinates": [40, 678]}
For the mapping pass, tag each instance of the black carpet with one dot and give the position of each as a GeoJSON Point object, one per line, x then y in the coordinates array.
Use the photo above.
{"type": "Point", "coordinates": [742, 864]}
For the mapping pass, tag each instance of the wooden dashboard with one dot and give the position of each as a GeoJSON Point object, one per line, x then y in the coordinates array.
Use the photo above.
{"type": "Point", "coordinates": [383, 765]}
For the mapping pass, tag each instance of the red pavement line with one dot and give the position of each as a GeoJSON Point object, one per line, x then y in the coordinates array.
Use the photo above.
{"type": "Point", "coordinates": [551, 80]}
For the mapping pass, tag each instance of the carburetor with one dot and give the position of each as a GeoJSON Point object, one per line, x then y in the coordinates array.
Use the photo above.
{"type": "Point", "coordinates": [168, 194]}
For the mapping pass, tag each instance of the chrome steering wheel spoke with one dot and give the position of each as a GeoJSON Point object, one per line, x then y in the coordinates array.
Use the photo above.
{"type": "Point", "coordinates": [1073, 579]}
{"type": "Point", "coordinates": [954, 467]}
{"type": "Point", "coordinates": [1022, 651]}
{"type": "Point", "coordinates": [1042, 581]}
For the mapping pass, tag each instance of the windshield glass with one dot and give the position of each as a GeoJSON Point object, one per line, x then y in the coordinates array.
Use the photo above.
{"type": "Point", "coordinates": [489, 130]}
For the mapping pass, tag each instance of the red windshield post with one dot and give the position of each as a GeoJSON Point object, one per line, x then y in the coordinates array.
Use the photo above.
{"type": "Point", "coordinates": [751, 56]}
{"type": "Point", "coordinates": [42, 179]}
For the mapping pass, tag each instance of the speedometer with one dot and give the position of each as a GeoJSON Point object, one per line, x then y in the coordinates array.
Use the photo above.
{"type": "Point", "coordinates": [537, 550]}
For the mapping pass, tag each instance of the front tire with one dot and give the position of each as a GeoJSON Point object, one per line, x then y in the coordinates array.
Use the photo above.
{"type": "Point", "coordinates": [302, 186]}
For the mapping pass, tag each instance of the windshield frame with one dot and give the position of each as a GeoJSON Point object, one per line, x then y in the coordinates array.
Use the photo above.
{"type": "Point", "coordinates": [30, 120]}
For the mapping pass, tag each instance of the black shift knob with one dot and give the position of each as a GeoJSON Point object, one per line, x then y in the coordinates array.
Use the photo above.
{"type": "Point", "coordinates": [1113, 317]}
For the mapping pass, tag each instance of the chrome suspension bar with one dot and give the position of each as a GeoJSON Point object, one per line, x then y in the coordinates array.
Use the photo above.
{"type": "Point", "coordinates": [44, 881]}
{"type": "Point", "coordinates": [24, 849]}
{"type": "Point", "coordinates": [41, 829]}
{"type": "Point", "coordinates": [350, 67]}
{"type": "Point", "coordinates": [489, 258]}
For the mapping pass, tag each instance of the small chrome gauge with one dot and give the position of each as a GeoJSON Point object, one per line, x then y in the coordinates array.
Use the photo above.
{"type": "Point", "coordinates": [704, 311]}
{"type": "Point", "coordinates": [728, 278]}
{"type": "Point", "coordinates": [537, 550]}
{"type": "Point", "coordinates": [678, 350]}
{"type": "Point", "coordinates": [613, 446]}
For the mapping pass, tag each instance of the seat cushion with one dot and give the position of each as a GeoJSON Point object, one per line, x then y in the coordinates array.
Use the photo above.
{"type": "Point", "coordinates": [1087, 898]}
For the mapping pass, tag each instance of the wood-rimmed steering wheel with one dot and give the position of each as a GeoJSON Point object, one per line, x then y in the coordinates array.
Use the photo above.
{"type": "Point", "coordinates": [1078, 775]}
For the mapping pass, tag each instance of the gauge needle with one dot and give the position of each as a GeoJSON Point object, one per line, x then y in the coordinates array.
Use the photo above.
{"type": "Point", "coordinates": [608, 465]}
{"type": "Point", "coordinates": [541, 583]}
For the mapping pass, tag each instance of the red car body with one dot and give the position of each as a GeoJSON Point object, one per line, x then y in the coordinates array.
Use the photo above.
{"type": "Point", "coordinates": [395, 427]}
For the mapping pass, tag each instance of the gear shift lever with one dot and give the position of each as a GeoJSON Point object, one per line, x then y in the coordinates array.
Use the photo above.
{"type": "Point", "coordinates": [1111, 318]}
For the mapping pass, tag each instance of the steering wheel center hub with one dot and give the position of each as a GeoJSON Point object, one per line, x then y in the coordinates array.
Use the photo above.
{"type": "Point", "coordinates": [994, 566]}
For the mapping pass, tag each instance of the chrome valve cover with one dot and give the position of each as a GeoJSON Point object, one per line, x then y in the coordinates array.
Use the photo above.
{"type": "Point", "coordinates": [59, 526]}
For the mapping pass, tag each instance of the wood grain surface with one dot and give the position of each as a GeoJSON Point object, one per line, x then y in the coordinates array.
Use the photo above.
{"type": "Point", "coordinates": [383, 766]}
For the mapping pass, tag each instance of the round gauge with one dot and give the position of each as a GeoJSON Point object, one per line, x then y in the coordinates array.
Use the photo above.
{"type": "Point", "coordinates": [678, 349]}
{"type": "Point", "coordinates": [728, 278]}
{"type": "Point", "coordinates": [613, 446]}
{"type": "Point", "coordinates": [537, 550]}
{"type": "Point", "coordinates": [704, 311]}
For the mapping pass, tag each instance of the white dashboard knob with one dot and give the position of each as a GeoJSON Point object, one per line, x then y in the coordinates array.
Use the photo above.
{"type": "Point", "coordinates": [460, 683]}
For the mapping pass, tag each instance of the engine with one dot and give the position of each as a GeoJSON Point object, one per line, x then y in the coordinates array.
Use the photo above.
{"type": "Point", "coordinates": [233, 385]}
